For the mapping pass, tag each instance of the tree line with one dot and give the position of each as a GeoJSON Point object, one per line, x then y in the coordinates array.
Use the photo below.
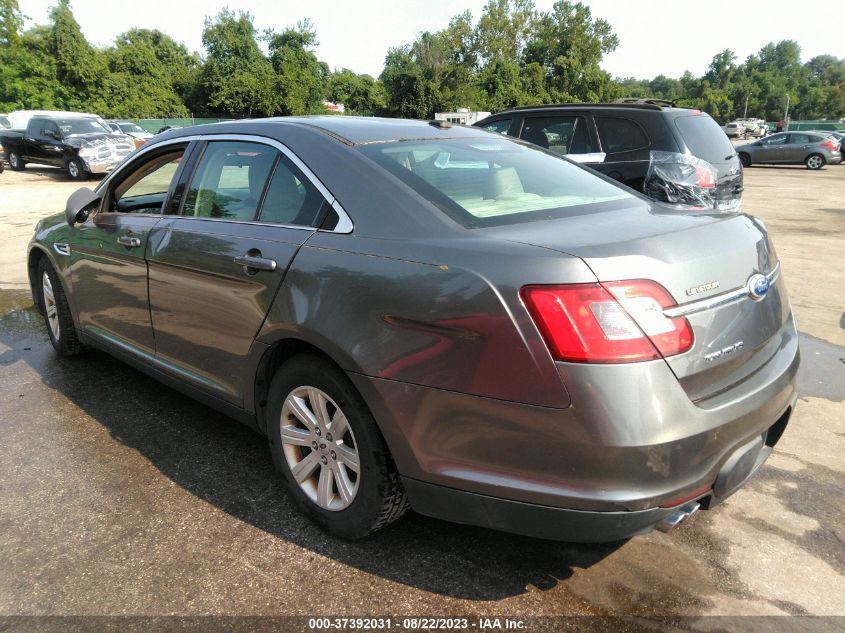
{"type": "Point", "coordinates": [512, 55]}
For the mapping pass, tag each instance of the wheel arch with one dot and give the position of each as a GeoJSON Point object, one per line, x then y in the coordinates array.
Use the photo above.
{"type": "Point", "coordinates": [37, 252]}
{"type": "Point", "coordinates": [275, 354]}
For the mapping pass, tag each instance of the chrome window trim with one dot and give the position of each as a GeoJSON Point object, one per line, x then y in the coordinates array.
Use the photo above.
{"type": "Point", "coordinates": [344, 223]}
{"type": "Point", "coordinates": [718, 300]}
{"type": "Point", "coordinates": [141, 151]}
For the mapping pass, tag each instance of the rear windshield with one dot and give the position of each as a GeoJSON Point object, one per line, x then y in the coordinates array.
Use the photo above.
{"type": "Point", "coordinates": [4, 123]}
{"type": "Point", "coordinates": [704, 138]}
{"type": "Point", "coordinates": [497, 181]}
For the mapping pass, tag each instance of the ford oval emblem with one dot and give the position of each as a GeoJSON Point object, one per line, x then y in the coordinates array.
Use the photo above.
{"type": "Point", "coordinates": [758, 286]}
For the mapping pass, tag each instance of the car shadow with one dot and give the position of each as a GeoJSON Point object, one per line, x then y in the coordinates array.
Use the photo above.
{"type": "Point", "coordinates": [228, 465]}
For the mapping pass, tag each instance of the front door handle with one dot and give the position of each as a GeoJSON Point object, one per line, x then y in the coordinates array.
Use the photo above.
{"type": "Point", "coordinates": [128, 241]}
{"type": "Point", "coordinates": [252, 262]}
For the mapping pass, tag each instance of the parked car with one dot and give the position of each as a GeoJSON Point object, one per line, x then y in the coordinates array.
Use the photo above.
{"type": "Point", "coordinates": [436, 317]}
{"type": "Point", "coordinates": [651, 146]}
{"type": "Point", "coordinates": [792, 148]}
{"type": "Point", "coordinates": [838, 136]}
{"type": "Point", "coordinates": [81, 144]}
{"type": "Point", "coordinates": [138, 134]}
{"type": "Point", "coordinates": [753, 127]}
{"type": "Point", "coordinates": [734, 129]}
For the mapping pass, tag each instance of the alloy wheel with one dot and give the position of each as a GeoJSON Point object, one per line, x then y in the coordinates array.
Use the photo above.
{"type": "Point", "coordinates": [73, 169]}
{"type": "Point", "coordinates": [814, 162]}
{"type": "Point", "coordinates": [320, 448]}
{"type": "Point", "coordinates": [50, 309]}
{"type": "Point", "coordinates": [13, 160]}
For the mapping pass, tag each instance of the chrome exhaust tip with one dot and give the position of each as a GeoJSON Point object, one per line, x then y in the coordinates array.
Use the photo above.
{"type": "Point", "coordinates": [678, 516]}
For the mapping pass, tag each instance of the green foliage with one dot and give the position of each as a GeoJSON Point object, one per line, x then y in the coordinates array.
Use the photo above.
{"type": "Point", "coordinates": [512, 55]}
{"type": "Point", "coordinates": [301, 78]}
{"type": "Point", "coordinates": [236, 77]}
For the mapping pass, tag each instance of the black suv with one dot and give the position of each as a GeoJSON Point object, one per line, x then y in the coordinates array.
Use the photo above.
{"type": "Point", "coordinates": [672, 154]}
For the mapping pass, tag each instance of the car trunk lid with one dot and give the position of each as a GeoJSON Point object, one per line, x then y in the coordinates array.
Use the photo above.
{"type": "Point", "coordinates": [704, 261]}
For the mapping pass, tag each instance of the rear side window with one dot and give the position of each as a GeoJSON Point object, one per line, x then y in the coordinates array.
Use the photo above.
{"type": "Point", "coordinates": [704, 138]}
{"type": "Point", "coordinates": [290, 197]}
{"type": "Point", "coordinates": [559, 134]}
{"type": "Point", "coordinates": [620, 135]}
{"type": "Point", "coordinates": [491, 182]}
{"type": "Point", "coordinates": [229, 180]}
{"type": "Point", "coordinates": [500, 127]}
{"type": "Point", "coordinates": [797, 139]}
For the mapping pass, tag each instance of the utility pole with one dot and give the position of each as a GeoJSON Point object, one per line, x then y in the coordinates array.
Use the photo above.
{"type": "Point", "coordinates": [745, 112]}
{"type": "Point", "coordinates": [786, 114]}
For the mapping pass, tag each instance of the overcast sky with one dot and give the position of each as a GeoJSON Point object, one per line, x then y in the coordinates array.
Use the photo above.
{"type": "Point", "coordinates": [666, 37]}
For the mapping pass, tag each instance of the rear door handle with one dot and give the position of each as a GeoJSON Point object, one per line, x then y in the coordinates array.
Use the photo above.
{"type": "Point", "coordinates": [128, 241]}
{"type": "Point", "coordinates": [253, 262]}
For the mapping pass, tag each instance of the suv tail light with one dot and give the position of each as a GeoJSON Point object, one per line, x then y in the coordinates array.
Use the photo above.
{"type": "Point", "coordinates": [615, 322]}
{"type": "Point", "coordinates": [830, 144]}
{"type": "Point", "coordinates": [705, 177]}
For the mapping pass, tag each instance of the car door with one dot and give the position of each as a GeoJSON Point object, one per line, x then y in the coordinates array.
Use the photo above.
{"type": "Point", "coordinates": [796, 148]}
{"type": "Point", "coordinates": [108, 268]}
{"type": "Point", "coordinates": [771, 149]}
{"type": "Point", "coordinates": [627, 148]}
{"type": "Point", "coordinates": [214, 268]}
{"type": "Point", "coordinates": [43, 143]}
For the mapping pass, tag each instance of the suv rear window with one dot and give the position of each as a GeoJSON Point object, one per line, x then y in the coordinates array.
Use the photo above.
{"type": "Point", "coordinates": [491, 182]}
{"type": "Point", "coordinates": [704, 138]}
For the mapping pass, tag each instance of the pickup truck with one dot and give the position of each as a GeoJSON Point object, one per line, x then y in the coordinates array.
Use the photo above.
{"type": "Point", "coordinates": [81, 144]}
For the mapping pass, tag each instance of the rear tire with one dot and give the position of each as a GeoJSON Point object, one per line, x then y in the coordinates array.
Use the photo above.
{"type": "Point", "coordinates": [56, 311]}
{"type": "Point", "coordinates": [814, 161]}
{"type": "Point", "coordinates": [744, 159]}
{"type": "Point", "coordinates": [309, 399]}
{"type": "Point", "coordinates": [16, 162]}
{"type": "Point", "coordinates": [76, 170]}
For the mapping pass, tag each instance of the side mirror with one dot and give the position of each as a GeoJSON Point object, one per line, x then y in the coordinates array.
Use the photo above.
{"type": "Point", "coordinates": [80, 205]}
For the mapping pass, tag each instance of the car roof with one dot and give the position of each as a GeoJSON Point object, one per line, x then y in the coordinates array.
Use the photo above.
{"type": "Point", "coordinates": [653, 105]}
{"type": "Point", "coordinates": [350, 130]}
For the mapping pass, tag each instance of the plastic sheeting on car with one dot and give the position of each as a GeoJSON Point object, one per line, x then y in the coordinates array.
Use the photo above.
{"type": "Point", "coordinates": [681, 179]}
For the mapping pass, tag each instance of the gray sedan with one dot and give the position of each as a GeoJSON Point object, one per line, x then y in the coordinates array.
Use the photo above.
{"type": "Point", "coordinates": [433, 317]}
{"type": "Point", "coordinates": [813, 149]}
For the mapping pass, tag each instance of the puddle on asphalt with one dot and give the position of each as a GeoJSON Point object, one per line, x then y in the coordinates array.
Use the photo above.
{"type": "Point", "coordinates": [18, 315]}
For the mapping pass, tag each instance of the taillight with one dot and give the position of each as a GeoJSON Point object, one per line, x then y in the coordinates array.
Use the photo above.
{"type": "Point", "coordinates": [705, 176]}
{"type": "Point", "coordinates": [615, 322]}
{"type": "Point", "coordinates": [830, 144]}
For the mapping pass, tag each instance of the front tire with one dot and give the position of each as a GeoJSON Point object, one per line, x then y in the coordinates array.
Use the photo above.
{"type": "Point", "coordinates": [744, 159]}
{"type": "Point", "coordinates": [16, 162]}
{"type": "Point", "coordinates": [76, 170]}
{"type": "Point", "coordinates": [330, 451]}
{"type": "Point", "coordinates": [56, 311]}
{"type": "Point", "coordinates": [814, 161]}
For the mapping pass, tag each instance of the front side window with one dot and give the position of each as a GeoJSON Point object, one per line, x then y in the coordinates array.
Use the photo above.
{"type": "Point", "coordinates": [620, 135]}
{"type": "Point", "coordinates": [497, 181]}
{"type": "Point", "coordinates": [559, 134]}
{"type": "Point", "coordinates": [500, 127]}
{"type": "Point", "coordinates": [230, 180]}
{"type": "Point", "coordinates": [798, 139]}
{"type": "Point", "coordinates": [777, 139]}
{"type": "Point", "coordinates": [48, 131]}
{"type": "Point", "coordinates": [145, 189]}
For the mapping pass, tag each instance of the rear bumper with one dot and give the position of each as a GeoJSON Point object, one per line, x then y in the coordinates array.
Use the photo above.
{"type": "Point", "coordinates": [583, 526]}
{"type": "Point", "coordinates": [631, 441]}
